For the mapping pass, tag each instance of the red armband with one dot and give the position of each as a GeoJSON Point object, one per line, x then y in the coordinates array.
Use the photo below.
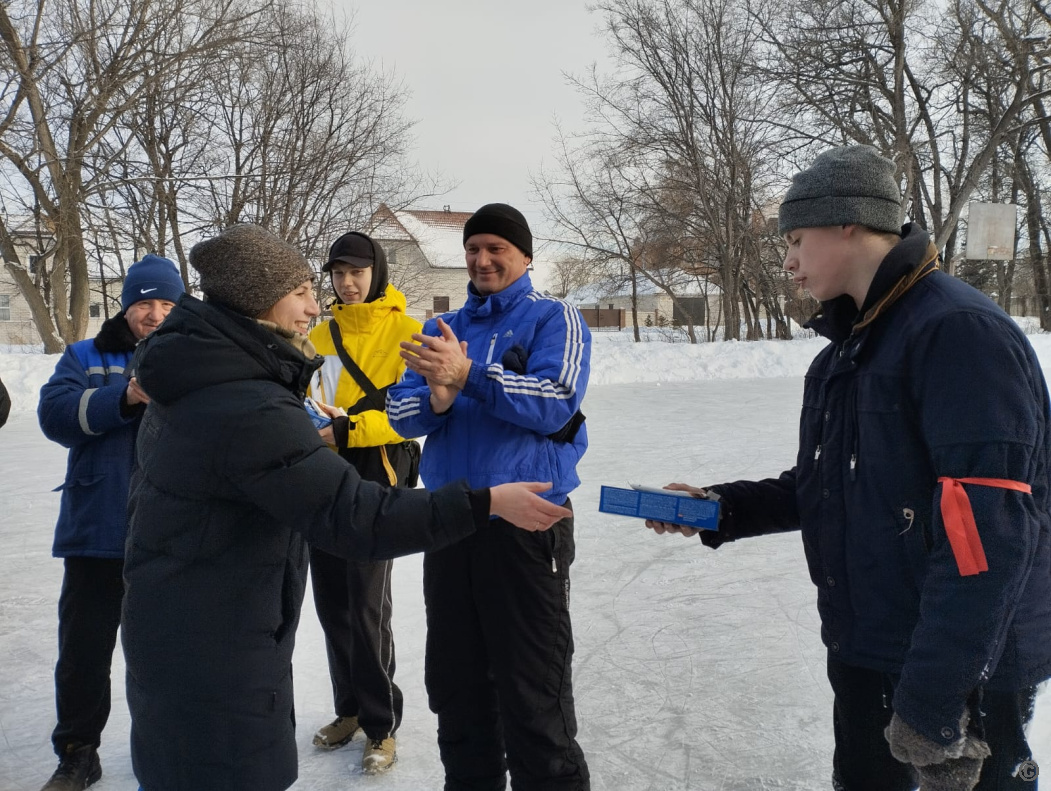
{"type": "Point", "coordinates": [959, 520]}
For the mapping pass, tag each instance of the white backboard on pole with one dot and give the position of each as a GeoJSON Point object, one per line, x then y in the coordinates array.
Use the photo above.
{"type": "Point", "coordinates": [991, 231]}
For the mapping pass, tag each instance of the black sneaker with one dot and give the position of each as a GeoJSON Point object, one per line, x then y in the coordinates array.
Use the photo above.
{"type": "Point", "coordinates": [77, 769]}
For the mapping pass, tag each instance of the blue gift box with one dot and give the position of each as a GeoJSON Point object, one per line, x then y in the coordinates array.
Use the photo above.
{"type": "Point", "coordinates": [675, 507]}
{"type": "Point", "coordinates": [319, 418]}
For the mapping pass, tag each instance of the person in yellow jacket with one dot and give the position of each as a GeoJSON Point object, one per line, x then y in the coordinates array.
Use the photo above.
{"type": "Point", "coordinates": [353, 600]}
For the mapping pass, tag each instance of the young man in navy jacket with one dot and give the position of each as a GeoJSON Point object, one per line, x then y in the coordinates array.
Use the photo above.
{"type": "Point", "coordinates": [921, 489]}
{"type": "Point", "coordinates": [93, 406]}
{"type": "Point", "coordinates": [497, 387]}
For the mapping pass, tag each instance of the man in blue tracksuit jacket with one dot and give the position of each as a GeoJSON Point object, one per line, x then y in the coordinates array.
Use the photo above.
{"type": "Point", "coordinates": [921, 488]}
{"type": "Point", "coordinates": [497, 388]}
{"type": "Point", "coordinates": [92, 405]}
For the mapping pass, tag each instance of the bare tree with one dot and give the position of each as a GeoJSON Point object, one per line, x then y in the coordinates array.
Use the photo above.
{"type": "Point", "coordinates": [70, 72]}
{"type": "Point", "coordinates": [313, 140]}
{"type": "Point", "coordinates": [938, 89]}
{"type": "Point", "coordinates": [567, 274]}
{"type": "Point", "coordinates": [678, 129]}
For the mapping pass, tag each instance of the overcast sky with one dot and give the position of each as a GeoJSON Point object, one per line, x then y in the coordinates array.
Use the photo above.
{"type": "Point", "coordinates": [486, 82]}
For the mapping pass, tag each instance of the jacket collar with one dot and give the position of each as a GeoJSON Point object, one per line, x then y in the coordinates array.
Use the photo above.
{"type": "Point", "coordinates": [202, 344]}
{"type": "Point", "coordinates": [903, 266]}
{"type": "Point", "coordinates": [500, 302]}
{"type": "Point", "coordinates": [364, 316]}
{"type": "Point", "coordinates": [115, 336]}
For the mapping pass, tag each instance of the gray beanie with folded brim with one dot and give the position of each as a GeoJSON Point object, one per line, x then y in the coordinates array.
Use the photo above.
{"type": "Point", "coordinates": [849, 185]}
{"type": "Point", "coordinates": [248, 269]}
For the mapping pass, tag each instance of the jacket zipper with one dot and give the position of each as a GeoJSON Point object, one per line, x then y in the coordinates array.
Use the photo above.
{"type": "Point", "coordinates": [492, 347]}
{"type": "Point", "coordinates": [855, 440]}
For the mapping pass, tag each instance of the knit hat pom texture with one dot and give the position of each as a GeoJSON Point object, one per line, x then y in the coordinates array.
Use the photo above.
{"type": "Point", "coordinates": [248, 269]}
{"type": "Point", "coordinates": [849, 185]}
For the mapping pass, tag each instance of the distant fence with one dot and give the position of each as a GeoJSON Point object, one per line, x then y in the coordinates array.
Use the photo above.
{"type": "Point", "coordinates": [603, 318]}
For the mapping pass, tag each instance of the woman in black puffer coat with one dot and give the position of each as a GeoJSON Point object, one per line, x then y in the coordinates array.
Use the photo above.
{"type": "Point", "coordinates": [232, 481]}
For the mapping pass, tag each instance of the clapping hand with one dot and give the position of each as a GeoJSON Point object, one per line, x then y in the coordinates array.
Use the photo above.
{"type": "Point", "coordinates": [442, 361]}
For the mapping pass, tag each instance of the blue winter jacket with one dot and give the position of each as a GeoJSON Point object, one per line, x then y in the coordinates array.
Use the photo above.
{"type": "Point", "coordinates": [530, 357]}
{"type": "Point", "coordinates": [933, 381]}
{"type": "Point", "coordinates": [80, 408]}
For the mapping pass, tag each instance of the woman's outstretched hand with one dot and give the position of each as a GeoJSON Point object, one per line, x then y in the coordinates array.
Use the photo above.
{"type": "Point", "coordinates": [521, 505]}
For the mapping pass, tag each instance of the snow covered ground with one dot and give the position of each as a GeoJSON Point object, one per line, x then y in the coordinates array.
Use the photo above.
{"type": "Point", "coordinates": [694, 669]}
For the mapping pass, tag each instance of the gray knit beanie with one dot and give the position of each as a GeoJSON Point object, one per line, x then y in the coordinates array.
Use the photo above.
{"type": "Point", "coordinates": [845, 186]}
{"type": "Point", "coordinates": [249, 269]}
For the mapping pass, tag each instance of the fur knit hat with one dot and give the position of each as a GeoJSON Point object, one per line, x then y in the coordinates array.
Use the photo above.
{"type": "Point", "coordinates": [152, 277]}
{"type": "Point", "coordinates": [248, 269]}
{"type": "Point", "coordinates": [845, 186]}
{"type": "Point", "coordinates": [501, 220]}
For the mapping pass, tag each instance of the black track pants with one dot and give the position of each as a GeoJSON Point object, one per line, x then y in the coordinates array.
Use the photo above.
{"type": "Point", "coordinates": [499, 651]}
{"type": "Point", "coordinates": [88, 617]}
{"type": "Point", "coordinates": [353, 602]}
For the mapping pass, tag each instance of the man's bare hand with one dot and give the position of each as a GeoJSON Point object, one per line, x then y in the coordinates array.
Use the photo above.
{"type": "Point", "coordinates": [521, 505]}
{"type": "Point", "coordinates": [442, 396]}
{"type": "Point", "coordinates": [135, 394]}
{"type": "Point", "coordinates": [668, 527]}
{"type": "Point", "coordinates": [441, 360]}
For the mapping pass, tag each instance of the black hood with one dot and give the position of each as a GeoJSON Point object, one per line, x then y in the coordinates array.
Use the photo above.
{"type": "Point", "coordinates": [202, 344]}
{"type": "Point", "coordinates": [380, 274]}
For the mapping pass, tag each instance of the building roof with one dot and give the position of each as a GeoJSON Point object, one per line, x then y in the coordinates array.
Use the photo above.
{"type": "Point", "coordinates": [438, 233]}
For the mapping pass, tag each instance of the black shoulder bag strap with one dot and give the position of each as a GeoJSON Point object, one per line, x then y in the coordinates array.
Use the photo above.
{"type": "Point", "coordinates": [374, 398]}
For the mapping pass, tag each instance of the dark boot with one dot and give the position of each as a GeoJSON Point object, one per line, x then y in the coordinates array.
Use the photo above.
{"type": "Point", "coordinates": [78, 768]}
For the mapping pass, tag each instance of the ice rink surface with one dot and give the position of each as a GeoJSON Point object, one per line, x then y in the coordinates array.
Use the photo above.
{"type": "Point", "coordinates": [694, 669]}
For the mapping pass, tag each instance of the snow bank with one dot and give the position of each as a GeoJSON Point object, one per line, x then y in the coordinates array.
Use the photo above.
{"type": "Point", "coordinates": [615, 362]}
{"type": "Point", "coordinates": [23, 375]}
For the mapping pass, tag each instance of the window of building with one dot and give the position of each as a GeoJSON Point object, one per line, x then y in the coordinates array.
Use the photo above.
{"type": "Point", "coordinates": [34, 261]}
{"type": "Point", "coordinates": [95, 310]}
{"type": "Point", "coordinates": [5, 307]}
{"type": "Point", "coordinates": [441, 304]}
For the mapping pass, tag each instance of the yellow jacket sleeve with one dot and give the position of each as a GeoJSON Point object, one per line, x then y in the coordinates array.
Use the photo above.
{"type": "Point", "coordinates": [370, 334]}
{"type": "Point", "coordinates": [369, 429]}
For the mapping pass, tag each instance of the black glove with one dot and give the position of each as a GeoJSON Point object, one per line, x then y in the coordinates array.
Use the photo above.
{"type": "Point", "coordinates": [515, 359]}
{"type": "Point", "coordinates": [953, 767]}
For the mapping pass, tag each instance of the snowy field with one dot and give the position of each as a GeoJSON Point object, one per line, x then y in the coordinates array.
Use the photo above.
{"type": "Point", "coordinates": [694, 669]}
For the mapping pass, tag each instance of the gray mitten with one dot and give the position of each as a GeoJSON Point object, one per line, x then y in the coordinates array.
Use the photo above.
{"type": "Point", "coordinates": [956, 774]}
{"type": "Point", "coordinates": [953, 767]}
